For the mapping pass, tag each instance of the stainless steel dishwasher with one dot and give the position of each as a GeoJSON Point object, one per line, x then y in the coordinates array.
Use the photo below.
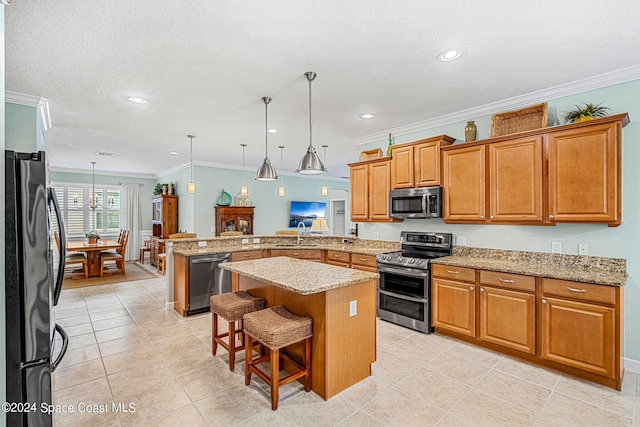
{"type": "Point", "coordinates": [206, 278]}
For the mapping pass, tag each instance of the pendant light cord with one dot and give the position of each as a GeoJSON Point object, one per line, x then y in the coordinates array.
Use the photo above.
{"type": "Point", "coordinates": [310, 77]}
{"type": "Point", "coordinates": [244, 175]}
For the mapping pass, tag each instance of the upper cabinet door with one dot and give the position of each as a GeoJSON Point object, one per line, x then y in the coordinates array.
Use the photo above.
{"type": "Point", "coordinates": [464, 184]}
{"type": "Point", "coordinates": [402, 167]}
{"type": "Point", "coordinates": [379, 191]}
{"type": "Point", "coordinates": [427, 164]}
{"type": "Point", "coordinates": [515, 180]}
{"type": "Point", "coordinates": [359, 177]}
{"type": "Point", "coordinates": [584, 174]}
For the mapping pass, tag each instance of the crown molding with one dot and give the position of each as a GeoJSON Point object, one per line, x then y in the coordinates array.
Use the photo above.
{"type": "Point", "coordinates": [42, 104]}
{"type": "Point", "coordinates": [623, 75]}
{"type": "Point", "coordinates": [102, 173]}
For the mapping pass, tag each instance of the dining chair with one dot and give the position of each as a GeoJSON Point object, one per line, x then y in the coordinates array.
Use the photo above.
{"type": "Point", "coordinates": [73, 259]}
{"type": "Point", "coordinates": [146, 247]}
{"type": "Point", "coordinates": [118, 256]}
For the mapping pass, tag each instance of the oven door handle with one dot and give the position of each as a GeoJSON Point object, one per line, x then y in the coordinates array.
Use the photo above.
{"type": "Point", "coordinates": [400, 296]}
{"type": "Point", "coordinates": [404, 271]}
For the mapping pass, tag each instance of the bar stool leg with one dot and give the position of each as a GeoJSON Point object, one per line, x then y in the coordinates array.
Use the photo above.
{"type": "Point", "coordinates": [214, 326]}
{"type": "Point", "coordinates": [248, 350]}
{"type": "Point", "coordinates": [307, 364]}
{"type": "Point", "coordinates": [275, 377]}
{"type": "Point", "coordinates": [232, 345]}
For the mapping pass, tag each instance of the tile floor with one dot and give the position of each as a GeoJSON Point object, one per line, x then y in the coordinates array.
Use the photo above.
{"type": "Point", "coordinates": [126, 349]}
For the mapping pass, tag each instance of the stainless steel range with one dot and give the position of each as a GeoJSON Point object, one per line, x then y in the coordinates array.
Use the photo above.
{"type": "Point", "coordinates": [404, 291]}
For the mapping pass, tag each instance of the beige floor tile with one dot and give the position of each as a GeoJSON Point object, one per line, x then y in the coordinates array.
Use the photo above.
{"type": "Point", "coordinates": [83, 419]}
{"type": "Point", "coordinates": [187, 416]}
{"type": "Point", "coordinates": [152, 404]}
{"type": "Point", "coordinates": [366, 390]}
{"type": "Point", "coordinates": [449, 420]}
{"type": "Point", "coordinates": [421, 348]}
{"type": "Point", "coordinates": [137, 381]}
{"type": "Point", "coordinates": [63, 313]}
{"type": "Point", "coordinates": [525, 396]}
{"type": "Point", "coordinates": [108, 314]}
{"type": "Point", "coordinates": [73, 320]}
{"type": "Point", "coordinates": [209, 379]}
{"type": "Point", "coordinates": [476, 354]}
{"type": "Point", "coordinates": [232, 405]}
{"type": "Point", "coordinates": [183, 364]}
{"type": "Point", "coordinates": [118, 332]}
{"type": "Point", "coordinates": [462, 369]}
{"type": "Point", "coordinates": [562, 410]}
{"type": "Point", "coordinates": [269, 418]}
{"type": "Point", "coordinates": [119, 345]}
{"type": "Point", "coordinates": [360, 419]}
{"type": "Point", "coordinates": [481, 409]}
{"type": "Point", "coordinates": [75, 330]}
{"type": "Point", "coordinates": [433, 388]}
{"type": "Point", "coordinates": [528, 372]}
{"type": "Point", "coordinates": [391, 368]}
{"type": "Point", "coordinates": [620, 402]}
{"type": "Point", "coordinates": [158, 334]}
{"type": "Point", "coordinates": [114, 322]}
{"type": "Point", "coordinates": [95, 392]}
{"type": "Point", "coordinates": [82, 341]}
{"type": "Point", "coordinates": [124, 361]}
{"type": "Point", "coordinates": [397, 409]}
{"type": "Point", "coordinates": [80, 355]}
{"type": "Point", "coordinates": [78, 374]}
{"type": "Point", "coordinates": [315, 411]}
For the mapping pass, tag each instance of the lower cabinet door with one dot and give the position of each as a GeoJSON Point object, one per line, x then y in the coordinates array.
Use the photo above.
{"type": "Point", "coordinates": [578, 334]}
{"type": "Point", "coordinates": [508, 318]}
{"type": "Point", "coordinates": [453, 306]}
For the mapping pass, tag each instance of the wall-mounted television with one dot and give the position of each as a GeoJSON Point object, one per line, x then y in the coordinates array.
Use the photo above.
{"type": "Point", "coordinates": [305, 212]}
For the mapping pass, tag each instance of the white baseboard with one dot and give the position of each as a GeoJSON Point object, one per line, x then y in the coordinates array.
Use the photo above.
{"type": "Point", "coordinates": [169, 305]}
{"type": "Point", "coordinates": [631, 364]}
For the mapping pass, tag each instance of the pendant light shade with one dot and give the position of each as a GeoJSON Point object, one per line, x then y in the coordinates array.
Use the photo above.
{"type": "Point", "coordinates": [310, 163]}
{"type": "Point", "coordinates": [281, 189]}
{"type": "Point", "coordinates": [266, 172]}
{"type": "Point", "coordinates": [191, 186]}
{"type": "Point", "coordinates": [244, 190]}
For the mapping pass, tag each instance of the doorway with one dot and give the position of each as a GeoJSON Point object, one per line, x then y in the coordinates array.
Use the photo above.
{"type": "Point", "coordinates": [338, 217]}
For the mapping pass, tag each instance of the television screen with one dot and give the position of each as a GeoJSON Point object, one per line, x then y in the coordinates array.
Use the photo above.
{"type": "Point", "coordinates": [305, 212]}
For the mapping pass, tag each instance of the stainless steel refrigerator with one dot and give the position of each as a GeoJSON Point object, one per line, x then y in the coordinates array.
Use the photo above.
{"type": "Point", "coordinates": [34, 343]}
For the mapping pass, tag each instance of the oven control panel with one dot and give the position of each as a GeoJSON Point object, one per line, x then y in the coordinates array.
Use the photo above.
{"type": "Point", "coordinates": [396, 258]}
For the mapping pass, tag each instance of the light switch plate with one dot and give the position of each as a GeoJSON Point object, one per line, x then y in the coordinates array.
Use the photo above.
{"type": "Point", "coordinates": [375, 235]}
{"type": "Point", "coordinates": [202, 243]}
{"type": "Point", "coordinates": [556, 247]}
{"type": "Point", "coordinates": [583, 249]}
{"type": "Point", "coordinates": [353, 308]}
{"type": "Point", "coordinates": [461, 240]}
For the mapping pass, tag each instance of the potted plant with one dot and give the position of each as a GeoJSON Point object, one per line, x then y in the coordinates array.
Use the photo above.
{"type": "Point", "coordinates": [93, 236]}
{"type": "Point", "coordinates": [586, 112]}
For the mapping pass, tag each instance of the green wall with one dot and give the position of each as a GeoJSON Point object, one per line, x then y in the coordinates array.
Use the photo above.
{"type": "Point", "coordinates": [196, 211]}
{"type": "Point", "coordinates": [617, 242]}
{"type": "Point", "coordinates": [24, 132]}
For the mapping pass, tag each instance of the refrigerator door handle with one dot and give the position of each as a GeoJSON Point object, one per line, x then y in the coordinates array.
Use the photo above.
{"type": "Point", "coordinates": [53, 200]}
{"type": "Point", "coordinates": [65, 344]}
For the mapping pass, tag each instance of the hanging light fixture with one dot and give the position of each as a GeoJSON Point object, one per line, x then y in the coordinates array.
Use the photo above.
{"type": "Point", "coordinates": [94, 203]}
{"type": "Point", "coordinates": [266, 172]}
{"type": "Point", "coordinates": [325, 190]}
{"type": "Point", "coordinates": [244, 191]}
{"type": "Point", "coordinates": [191, 186]}
{"type": "Point", "coordinates": [310, 163]}
{"type": "Point", "coordinates": [281, 189]}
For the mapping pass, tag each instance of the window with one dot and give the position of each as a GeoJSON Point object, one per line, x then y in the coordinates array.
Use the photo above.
{"type": "Point", "coordinates": [77, 206]}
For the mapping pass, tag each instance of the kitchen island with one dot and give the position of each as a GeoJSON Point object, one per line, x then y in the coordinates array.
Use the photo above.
{"type": "Point", "coordinates": [341, 302]}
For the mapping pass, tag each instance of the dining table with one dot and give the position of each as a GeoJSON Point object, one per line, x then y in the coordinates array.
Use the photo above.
{"type": "Point", "coordinates": [93, 252]}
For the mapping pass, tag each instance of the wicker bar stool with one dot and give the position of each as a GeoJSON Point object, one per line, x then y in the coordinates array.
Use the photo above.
{"type": "Point", "coordinates": [276, 328]}
{"type": "Point", "coordinates": [231, 306]}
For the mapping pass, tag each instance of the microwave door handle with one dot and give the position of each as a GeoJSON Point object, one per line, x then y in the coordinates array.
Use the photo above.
{"type": "Point", "coordinates": [425, 203]}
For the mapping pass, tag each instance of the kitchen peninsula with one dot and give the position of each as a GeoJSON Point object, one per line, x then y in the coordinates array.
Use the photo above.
{"type": "Point", "coordinates": [342, 303]}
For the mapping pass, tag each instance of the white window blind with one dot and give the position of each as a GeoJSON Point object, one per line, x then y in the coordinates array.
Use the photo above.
{"type": "Point", "coordinates": [76, 205]}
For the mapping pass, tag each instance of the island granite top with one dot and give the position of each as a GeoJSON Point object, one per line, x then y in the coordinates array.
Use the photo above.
{"type": "Point", "coordinates": [299, 276]}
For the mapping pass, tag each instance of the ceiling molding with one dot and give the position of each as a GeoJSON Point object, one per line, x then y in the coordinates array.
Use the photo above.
{"type": "Point", "coordinates": [88, 172]}
{"type": "Point", "coordinates": [603, 80]}
{"type": "Point", "coordinates": [42, 104]}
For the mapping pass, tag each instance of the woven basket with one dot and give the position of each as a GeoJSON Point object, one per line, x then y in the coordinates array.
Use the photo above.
{"type": "Point", "coordinates": [370, 154]}
{"type": "Point", "coordinates": [533, 117]}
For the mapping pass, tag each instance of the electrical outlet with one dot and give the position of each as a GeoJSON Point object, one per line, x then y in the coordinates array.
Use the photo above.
{"type": "Point", "coordinates": [461, 240]}
{"type": "Point", "coordinates": [212, 229]}
{"type": "Point", "coordinates": [375, 235]}
{"type": "Point", "coordinates": [353, 308]}
{"type": "Point", "coordinates": [256, 240]}
{"type": "Point", "coordinates": [556, 247]}
{"type": "Point", "coordinates": [201, 243]}
{"type": "Point", "coordinates": [583, 249]}
{"type": "Point", "coordinates": [245, 241]}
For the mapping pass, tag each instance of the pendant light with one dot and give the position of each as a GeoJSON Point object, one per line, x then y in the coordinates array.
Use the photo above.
{"type": "Point", "coordinates": [191, 186]}
{"type": "Point", "coordinates": [281, 189]}
{"type": "Point", "coordinates": [266, 172]}
{"type": "Point", "coordinates": [325, 190]}
{"type": "Point", "coordinates": [310, 163]}
{"type": "Point", "coordinates": [243, 189]}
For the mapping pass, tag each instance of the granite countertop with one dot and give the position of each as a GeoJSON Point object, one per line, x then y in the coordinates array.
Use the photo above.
{"type": "Point", "coordinates": [299, 276]}
{"type": "Point", "coordinates": [585, 269]}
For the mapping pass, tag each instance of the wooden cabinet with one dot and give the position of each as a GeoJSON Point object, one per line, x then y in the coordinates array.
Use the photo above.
{"type": "Point", "coordinates": [234, 218]}
{"type": "Point", "coordinates": [370, 190]}
{"type": "Point", "coordinates": [340, 259]}
{"type": "Point", "coordinates": [507, 312]}
{"type": "Point", "coordinates": [584, 174]}
{"type": "Point", "coordinates": [417, 163]}
{"type": "Point", "coordinates": [247, 255]}
{"type": "Point", "coordinates": [305, 254]}
{"type": "Point", "coordinates": [464, 193]}
{"type": "Point", "coordinates": [164, 215]}
{"type": "Point", "coordinates": [364, 262]}
{"type": "Point", "coordinates": [453, 302]}
{"type": "Point", "coordinates": [581, 326]}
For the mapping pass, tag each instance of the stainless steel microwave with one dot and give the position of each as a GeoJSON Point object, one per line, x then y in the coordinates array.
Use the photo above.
{"type": "Point", "coordinates": [416, 203]}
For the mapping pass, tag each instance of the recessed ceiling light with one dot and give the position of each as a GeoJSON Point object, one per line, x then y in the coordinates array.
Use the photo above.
{"type": "Point", "coordinates": [449, 55]}
{"type": "Point", "coordinates": [272, 130]}
{"type": "Point", "coordinates": [367, 116]}
{"type": "Point", "coordinates": [137, 100]}
{"type": "Point", "coordinates": [174, 153]}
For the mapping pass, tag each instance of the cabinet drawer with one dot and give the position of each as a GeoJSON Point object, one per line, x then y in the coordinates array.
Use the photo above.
{"type": "Point", "coordinates": [508, 280]}
{"type": "Point", "coordinates": [581, 291]}
{"type": "Point", "coordinates": [342, 257]}
{"type": "Point", "coordinates": [309, 254]}
{"type": "Point", "coordinates": [364, 260]}
{"type": "Point", "coordinates": [458, 273]}
{"type": "Point", "coordinates": [245, 255]}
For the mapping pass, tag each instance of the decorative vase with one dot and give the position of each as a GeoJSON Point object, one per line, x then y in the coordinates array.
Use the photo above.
{"type": "Point", "coordinates": [584, 118]}
{"type": "Point", "coordinates": [170, 189]}
{"type": "Point", "coordinates": [470, 131]}
{"type": "Point", "coordinates": [93, 240]}
{"type": "Point", "coordinates": [164, 190]}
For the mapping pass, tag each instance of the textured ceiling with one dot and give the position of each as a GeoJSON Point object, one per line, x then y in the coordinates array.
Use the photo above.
{"type": "Point", "coordinates": [205, 64]}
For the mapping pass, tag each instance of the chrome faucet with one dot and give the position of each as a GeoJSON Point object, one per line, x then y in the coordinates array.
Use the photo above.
{"type": "Point", "coordinates": [304, 231]}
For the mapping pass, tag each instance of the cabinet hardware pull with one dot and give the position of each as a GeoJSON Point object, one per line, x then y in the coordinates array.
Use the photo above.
{"type": "Point", "coordinates": [452, 272]}
{"type": "Point", "coordinates": [296, 253]}
{"type": "Point", "coordinates": [471, 288]}
{"type": "Point", "coordinates": [363, 259]}
{"type": "Point", "coordinates": [481, 216]}
{"type": "Point", "coordinates": [544, 301]}
{"type": "Point", "coordinates": [337, 256]}
{"type": "Point", "coordinates": [246, 255]}
{"type": "Point", "coordinates": [550, 216]}
{"type": "Point", "coordinates": [481, 289]}
{"type": "Point", "coordinates": [505, 280]}
{"type": "Point", "coordinates": [582, 291]}
{"type": "Point", "coordinates": [491, 217]}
